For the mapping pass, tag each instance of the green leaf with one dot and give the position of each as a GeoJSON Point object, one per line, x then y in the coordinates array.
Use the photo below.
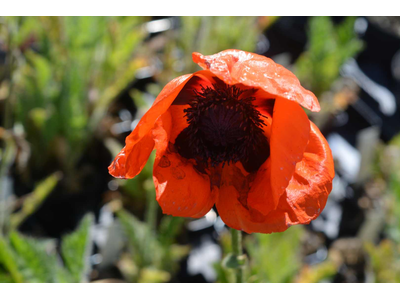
{"type": "Point", "coordinates": [275, 257]}
{"type": "Point", "coordinates": [9, 262]}
{"type": "Point", "coordinates": [35, 199]}
{"type": "Point", "coordinates": [43, 69]}
{"type": "Point", "coordinates": [76, 249]}
{"type": "Point", "coordinates": [143, 244]}
{"type": "Point", "coordinates": [36, 259]}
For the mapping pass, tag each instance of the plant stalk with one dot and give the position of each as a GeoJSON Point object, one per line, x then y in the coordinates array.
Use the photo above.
{"type": "Point", "coordinates": [237, 250]}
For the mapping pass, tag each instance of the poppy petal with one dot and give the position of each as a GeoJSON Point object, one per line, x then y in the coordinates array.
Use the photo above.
{"type": "Point", "coordinates": [130, 161]}
{"type": "Point", "coordinates": [289, 138]}
{"type": "Point", "coordinates": [311, 184]}
{"type": "Point", "coordinates": [178, 119]}
{"type": "Point", "coordinates": [260, 194]}
{"type": "Point", "coordinates": [139, 144]}
{"type": "Point", "coordinates": [301, 202]}
{"type": "Point", "coordinates": [236, 66]}
{"type": "Point", "coordinates": [235, 215]}
{"type": "Point", "coordinates": [161, 135]}
{"type": "Point", "coordinates": [160, 105]}
{"type": "Point", "coordinates": [180, 189]}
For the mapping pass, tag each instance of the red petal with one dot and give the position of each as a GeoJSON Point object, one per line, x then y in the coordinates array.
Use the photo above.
{"type": "Point", "coordinates": [161, 135]}
{"type": "Point", "coordinates": [302, 201]}
{"type": "Point", "coordinates": [289, 138]}
{"type": "Point", "coordinates": [311, 184]}
{"type": "Point", "coordinates": [160, 105]}
{"type": "Point", "coordinates": [236, 66]}
{"type": "Point", "coordinates": [139, 144]}
{"type": "Point", "coordinates": [260, 195]}
{"type": "Point", "coordinates": [127, 164]}
{"type": "Point", "coordinates": [181, 190]}
{"type": "Point", "coordinates": [237, 216]}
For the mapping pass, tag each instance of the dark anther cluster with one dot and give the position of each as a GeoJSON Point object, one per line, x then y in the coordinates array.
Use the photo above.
{"type": "Point", "coordinates": [224, 127]}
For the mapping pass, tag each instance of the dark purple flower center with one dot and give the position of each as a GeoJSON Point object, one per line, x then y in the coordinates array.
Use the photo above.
{"type": "Point", "coordinates": [224, 127]}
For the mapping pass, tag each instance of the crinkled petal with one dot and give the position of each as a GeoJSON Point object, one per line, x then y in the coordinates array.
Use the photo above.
{"type": "Point", "coordinates": [311, 183]}
{"type": "Point", "coordinates": [236, 66]}
{"type": "Point", "coordinates": [139, 144]}
{"type": "Point", "coordinates": [180, 189]}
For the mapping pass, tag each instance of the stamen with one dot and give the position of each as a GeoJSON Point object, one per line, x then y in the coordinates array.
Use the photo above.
{"type": "Point", "coordinates": [224, 127]}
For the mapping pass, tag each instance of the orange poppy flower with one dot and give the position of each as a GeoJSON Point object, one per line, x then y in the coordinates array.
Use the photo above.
{"type": "Point", "coordinates": [234, 135]}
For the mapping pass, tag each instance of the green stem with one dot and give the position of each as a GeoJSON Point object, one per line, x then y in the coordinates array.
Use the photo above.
{"type": "Point", "coordinates": [237, 250]}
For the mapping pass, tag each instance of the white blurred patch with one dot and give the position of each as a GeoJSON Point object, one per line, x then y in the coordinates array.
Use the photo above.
{"type": "Point", "coordinates": [348, 157]}
{"type": "Point", "coordinates": [385, 98]}
{"type": "Point", "coordinates": [203, 223]}
{"type": "Point", "coordinates": [158, 25]}
{"type": "Point", "coordinates": [360, 26]}
{"type": "Point", "coordinates": [201, 259]}
{"type": "Point", "coordinates": [329, 224]}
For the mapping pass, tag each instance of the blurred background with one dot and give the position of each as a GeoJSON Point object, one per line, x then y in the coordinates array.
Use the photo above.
{"type": "Point", "coordinates": [73, 88]}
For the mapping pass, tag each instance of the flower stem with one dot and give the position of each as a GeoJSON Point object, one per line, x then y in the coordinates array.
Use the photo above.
{"type": "Point", "coordinates": [237, 250]}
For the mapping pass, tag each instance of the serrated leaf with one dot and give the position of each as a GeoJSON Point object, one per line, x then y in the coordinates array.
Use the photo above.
{"type": "Point", "coordinates": [142, 241]}
{"type": "Point", "coordinates": [35, 259]}
{"type": "Point", "coordinates": [76, 249]}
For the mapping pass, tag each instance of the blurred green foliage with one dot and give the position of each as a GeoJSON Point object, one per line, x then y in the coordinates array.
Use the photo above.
{"type": "Point", "coordinates": [26, 259]}
{"type": "Point", "coordinates": [272, 255]}
{"type": "Point", "coordinates": [197, 32]}
{"type": "Point", "coordinates": [329, 46]}
{"type": "Point", "coordinates": [385, 255]}
{"type": "Point", "coordinates": [385, 261]}
{"type": "Point", "coordinates": [391, 169]}
{"type": "Point", "coordinates": [32, 201]}
{"type": "Point", "coordinates": [207, 35]}
{"type": "Point", "coordinates": [154, 254]}
{"type": "Point", "coordinates": [322, 272]}
{"type": "Point", "coordinates": [61, 92]}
